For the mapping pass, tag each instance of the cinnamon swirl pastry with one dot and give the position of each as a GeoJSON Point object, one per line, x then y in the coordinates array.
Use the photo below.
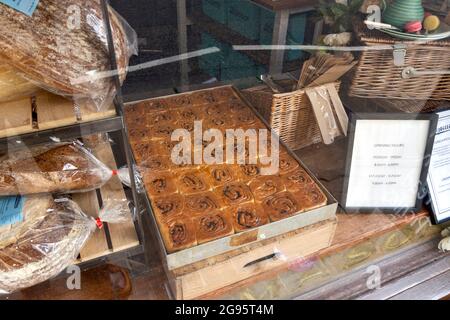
{"type": "Point", "coordinates": [181, 101]}
{"type": "Point", "coordinates": [223, 174]}
{"type": "Point", "coordinates": [167, 207]}
{"type": "Point", "coordinates": [245, 118]}
{"type": "Point", "coordinates": [212, 226]}
{"type": "Point", "coordinates": [250, 172]}
{"type": "Point", "coordinates": [224, 94]}
{"type": "Point", "coordinates": [141, 134]}
{"type": "Point", "coordinates": [178, 234]}
{"type": "Point", "coordinates": [202, 203]}
{"type": "Point", "coordinates": [297, 180]}
{"type": "Point", "coordinates": [163, 131]}
{"type": "Point", "coordinates": [235, 193]}
{"type": "Point", "coordinates": [155, 105]}
{"type": "Point", "coordinates": [155, 164]}
{"type": "Point", "coordinates": [193, 181]}
{"type": "Point", "coordinates": [161, 117]}
{"type": "Point", "coordinates": [282, 205]}
{"type": "Point", "coordinates": [247, 216]}
{"type": "Point", "coordinates": [311, 197]}
{"type": "Point", "coordinates": [158, 184]}
{"type": "Point", "coordinates": [266, 186]}
{"type": "Point", "coordinates": [190, 114]}
{"type": "Point", "coordinates": [287, 164]}
{"type": "Point", "coordinates": [143, 151]}
{"type": "Point", "coordinates": [134, 114]}
{"type": "Point", "coordinates": [204, 97]}
{"type": "Point", "coordinates": [237, 106]}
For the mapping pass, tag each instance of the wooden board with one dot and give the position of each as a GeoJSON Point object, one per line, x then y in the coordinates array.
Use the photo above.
{"type": "Point", "coordinates": [16, 117]}
{"type": "Point", "coordinates": [97, 245]}
{"type": "Point", "coordinates": [202, 282]}
{"type": "Point", "coordinates": [52, 111]}
{"type": "Point", "coordinates": [55, 111]}
{"type": "Point", "coordinates": [123, 236]}
{"type": "Point", "coordinates": [118, 237]}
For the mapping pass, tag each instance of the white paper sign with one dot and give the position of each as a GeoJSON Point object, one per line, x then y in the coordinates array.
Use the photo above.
{"type": "Point", "coordinates": [439, 172]}
{"type": "Point", "coordinates": [386, 164]}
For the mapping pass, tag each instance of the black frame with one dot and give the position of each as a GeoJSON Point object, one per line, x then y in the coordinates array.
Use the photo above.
{"type": "Point", "coordinates": [433, 118]}
{"type": "Point", "coordinates": [433, 214]}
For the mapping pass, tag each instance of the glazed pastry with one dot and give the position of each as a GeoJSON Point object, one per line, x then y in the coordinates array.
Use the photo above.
{"type": "Point", "coordinates": [282, 205]}
{"type": "Point", "coordinates": [180, 101]}
{"type": "Point", "coordinates": [202, 203]}
{"type": "Point", "coordinates": [187, 124]}
{"type": "Point", "coordinates": [141, 134]}
{"type": "Point", "coordinates": [311, 197]}
{"type": "Point", "coordinates": [161, 117]}
{"type": "Point", "coordinates": [190, 113]}
{"type": "Point", "coordinates": [236, 106]}
{"type": "Point", "coordinates": [155, 164]}
{"type": "Point", "coordinates": [223, 174]}
{"type": "Point", "coordinates": [178, 234]}
{"type": "Point", "coordinates": [162, 131]}
{"type": "Point", "coordinates": [224, 94]}
{"type": "Point", "coordinates": [243, 154]}
{"type": "Point", "coordinates": [235, 193]}
{"type": "Point", "coordinates": [204, 97]}
{"type": "Point", "coordinates": [245, 118]}
{"type": "Point", "coordinates": [297, 180]}
{"type": "Point", "coordinates": [250, 172]}
{"type": "Point", "coordinates": [155, 105]}
{"type": "Point", "coordinates": [143, 151]}
{"type": "Point", "coordinates": [266, 186]}
{"type": "Point", "coordinates": [159, 184]}
{"type": "Point", "coordinates": [134, 114]}
{"type": "Point", "coordinates": [247, 216]}
{"type": "Point", "coordinates": [287, 164]}
{"type": "Point", "coordinates": [167, 207]}
{"type": "Point", "coordinates": [193, 181]}
{"type": "Point", "coordinates": [212, 226]}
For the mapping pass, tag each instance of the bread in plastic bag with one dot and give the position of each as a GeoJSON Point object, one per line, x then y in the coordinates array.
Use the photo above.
{"type": "Point", "coordinates": [13, 86]}
{"type": "Point", "coordinates": [52, 168]}
{"type": "Point", "coordinates": [47, 240]}
{"type": "Point", "coordinates": [62, 43]}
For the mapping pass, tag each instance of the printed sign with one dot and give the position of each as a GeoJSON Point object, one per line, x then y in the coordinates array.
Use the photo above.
{"type": "Point", "coordinates": [24, 6]}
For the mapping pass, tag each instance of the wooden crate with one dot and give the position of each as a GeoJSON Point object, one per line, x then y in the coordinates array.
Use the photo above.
{"type": "Point", "coordinates": [252, 262]}
{"type": "Point", "coordinates": [44, 111]}
{"type": "Point", "coordinates": [115, 237]}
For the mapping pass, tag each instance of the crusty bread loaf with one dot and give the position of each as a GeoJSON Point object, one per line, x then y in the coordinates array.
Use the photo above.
{"type": "Point", "coordinates": [61, 168]}
{"type": "Point", "coordinates": [12, 86]}
{"type": "Point", "coordinates": [41, 247]}
{"type": "Point", "coordinates": [49, 51]}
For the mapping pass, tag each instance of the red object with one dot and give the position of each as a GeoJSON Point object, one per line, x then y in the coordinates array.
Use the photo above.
{"type": "Point", "coordinates": [413, 26]}
{"type": "Point", "coordinates": [99, 223]}
{"type": "Point", "coordinates": [115, 172]}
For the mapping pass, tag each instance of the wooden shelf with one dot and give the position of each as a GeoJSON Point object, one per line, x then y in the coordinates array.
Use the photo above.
{"type": "Point", "coordinates": [113, 238]}
{"type": "Point", "coordinates": [44, 111]}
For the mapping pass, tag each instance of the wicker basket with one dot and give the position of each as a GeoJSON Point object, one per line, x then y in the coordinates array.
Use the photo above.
{"type": "Point", "coordinates": [377, 76]}
{"type": "Point", "coordinates": [290, 115]}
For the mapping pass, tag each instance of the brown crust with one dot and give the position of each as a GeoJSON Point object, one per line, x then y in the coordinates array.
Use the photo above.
{"type": "Point", "coordinates": [46, 51]}
{"type": "Point", "coordinates": [62, 169]}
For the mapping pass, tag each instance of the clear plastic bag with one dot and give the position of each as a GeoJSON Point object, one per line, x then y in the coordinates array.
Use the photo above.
{"type": "Point", "coordinates": [48, 239]}
{"type": "Point", "coordinates": [52, 168]}
{"type": "Point", "coordinates": [63, 48]}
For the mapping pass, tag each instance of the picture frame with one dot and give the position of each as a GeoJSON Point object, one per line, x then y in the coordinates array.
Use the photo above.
{"type": "Point", "coordinates": [388, 156]}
